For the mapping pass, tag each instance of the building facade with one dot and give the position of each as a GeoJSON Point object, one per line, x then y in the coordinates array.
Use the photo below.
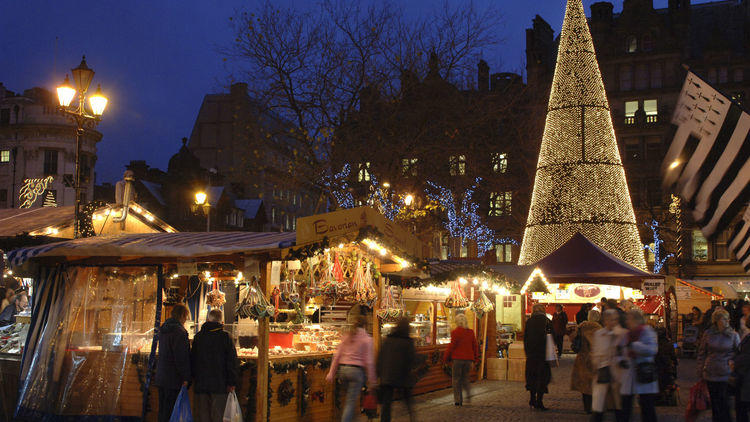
{"type": "Point", "coordinates": [642, 54]}
{"type": "Point", "coordinates": [38, 147]}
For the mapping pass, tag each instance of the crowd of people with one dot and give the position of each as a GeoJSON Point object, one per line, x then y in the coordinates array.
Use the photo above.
{"type": "Point", "coordinates": [15, 299]}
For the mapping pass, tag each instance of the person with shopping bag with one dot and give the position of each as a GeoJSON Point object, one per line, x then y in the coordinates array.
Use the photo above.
{"type": "Point", "coordinates": [715, 355]}
{"type": "Point", "coordinates": [538, 372]}
{"type": "Point", "coordinates": [215, 368]}
{"type": "Point", "coordinates": [584, 371]}
{"type": "Point", "coordinates": [639, 377]}
{"type": "Point", "coordinates": [173, 365]}
{"type": "Point", "coordinates": [605, 358]}
{"type": "Point", "coordinates": [461, 352]}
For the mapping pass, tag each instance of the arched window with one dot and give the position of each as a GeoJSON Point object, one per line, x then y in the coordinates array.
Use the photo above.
{"type": "Point", "coordinates": [631, 44]}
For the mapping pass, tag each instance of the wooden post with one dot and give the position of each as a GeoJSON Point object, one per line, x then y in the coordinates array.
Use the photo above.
{"type": "Point", "coordinates": [261, 390]}
{"type": "Point", "coordinates": [434, 323]}
{"type": "Point", "coordinates": [484, 346]}
{"type": "Point", "coordinates": [375, 320]}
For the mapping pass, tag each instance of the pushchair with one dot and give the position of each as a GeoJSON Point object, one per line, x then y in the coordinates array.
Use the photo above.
{"type": "Point", "coordinates": [690, 337]}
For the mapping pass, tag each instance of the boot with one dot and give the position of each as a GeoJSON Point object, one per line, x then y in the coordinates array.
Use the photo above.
{"type": "Point", "coordinates": [539, 404]}
{"type": "Point", "coordinates": [597, 417]}
{"type": "Point", "coordinates": [532, 400]}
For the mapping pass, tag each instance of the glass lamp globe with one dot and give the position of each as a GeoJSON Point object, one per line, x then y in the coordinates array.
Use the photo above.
{"type": "Point", "coordinates": [65, 93]}
{"type": "Point", "coordinates": [98, 102]}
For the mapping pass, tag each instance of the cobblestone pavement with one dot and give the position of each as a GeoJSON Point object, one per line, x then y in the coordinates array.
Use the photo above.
{"type": "Point", "coordinates": [508, 401]}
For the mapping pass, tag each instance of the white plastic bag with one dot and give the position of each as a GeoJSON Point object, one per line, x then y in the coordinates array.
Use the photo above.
{"type": "Point", "coordinates": [232, 412]}
{"type": "Point", "coordinates": [551, 352]}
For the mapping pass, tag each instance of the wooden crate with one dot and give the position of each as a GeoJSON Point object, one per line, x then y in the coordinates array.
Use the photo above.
{"type": "Point", "coordinates": [517, 369]}
{"type": "Point", "coordinates": [497, 364]}
{"type": "Point", "coordinates": [515, 350]}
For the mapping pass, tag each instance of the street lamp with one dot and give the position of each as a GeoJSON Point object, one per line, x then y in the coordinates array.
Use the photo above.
{"type": "Point", "coordinates": [201, 201]}
{"type": "Point", "coordinates": [82, 77]}
{"type": "Point", "coordinates": [408, 199]}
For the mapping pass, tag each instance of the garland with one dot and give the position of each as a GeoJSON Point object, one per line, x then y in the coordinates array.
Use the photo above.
{"type": "Point", "coordinates": [252, 366]}
{"type": "Point", "coordinates": [286, 392]}
{"type": "Point", "coordinates": [86, 218]}
{"type": "Point", "coordinates": [468, 272]}
{"type": "Point", "coordinates": [370, 232]}
{"type": "Point", "coordinates": [308, 251]}
{"type": "Point", "coordinates": [304, 384]}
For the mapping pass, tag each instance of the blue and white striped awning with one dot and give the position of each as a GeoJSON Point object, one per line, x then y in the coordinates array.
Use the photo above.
{"type": "Point", "coordinates": [184, 245]}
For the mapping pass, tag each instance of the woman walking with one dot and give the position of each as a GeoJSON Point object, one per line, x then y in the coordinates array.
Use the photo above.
{"type": "Point", "coordinates": [640, 375]}
{"type": "Point", "coordinates": [354, 365]}
{"type": "Point", "coordinates": [395, 368]}
{"type": "Point", "coordinates": [462, 351]}
{"type": "Point", "coordinates": [715, 352]}
{"type": "Point", "coordinates": [538, 372]}
{"type": "Point", "coordinates": [582, 377]}
{"type": "Point", "coordinates": [742, 369]}
{"type": "Point", "coordinates": [605, 358]}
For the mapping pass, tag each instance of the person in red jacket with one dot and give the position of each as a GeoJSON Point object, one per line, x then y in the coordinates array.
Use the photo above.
{"type": "Point", "coordinates": [462, 351]}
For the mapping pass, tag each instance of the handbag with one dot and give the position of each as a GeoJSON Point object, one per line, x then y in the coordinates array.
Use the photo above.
{"type": "Point", "coordinates": [232, 411]}
{"type": "Point", "coordinates": [577, 342]}
{"type": "Point", "coordinates": [551, 350]}
{"type": "Point", "coordinates": [604, 375]}
{"type": "Point", "coordinates": [645, 372]}
{"type": "Point", "coordinates": [181, 411]}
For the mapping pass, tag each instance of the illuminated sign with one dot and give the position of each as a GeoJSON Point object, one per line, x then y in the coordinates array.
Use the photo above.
{"type": "Point", "coordinates": [31, 189]}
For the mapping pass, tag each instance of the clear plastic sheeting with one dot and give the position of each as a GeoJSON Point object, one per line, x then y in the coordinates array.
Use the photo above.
{"type": "Point", "coordinates": [95, 325]}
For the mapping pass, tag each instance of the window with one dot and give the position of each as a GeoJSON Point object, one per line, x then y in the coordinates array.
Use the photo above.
{"type": "Point", "coordinates": [647, 43]}
{"type": "Point", "coordinates": [653, 148]}
{"type": "Point", "coordinates": [50, 162]}
{"type": "Point", "coordinates": [464, 250]}
{"type": "Point", "coordinates": [723, 75]}
{"type": "Point", "coordinates": [630, 108]}
{"type": "Point", "coordinates": [509, 301]}
{"type": "Point", "coordinates": [649, 254]}
{"type": "Point", "coordinates": [653, 189]}
{"type": "Point", "coordinates": [633, 151]}
{"type": "Point", "coordinates": [457, 165]}
{"type": "Point", "coordinates": [641, 76]}
{"type": "Point", "coordinates": [5, 117]}
{"type": "Point", "coordinates": [700, 246]}
{"type": "Point", "coordinates": [4, 156]}
{"type": "Point", "coordinates": [409, 166]}
{"type": "Point", "coordinates": [364, 172]}
{"type": "Point", "coordinates": [500, 203]}
{"type": "Point", "coordinates": [499, 162]}
{"type": "Point", "coordinates": [656, 76]}
{"type": "Point", "coordinates": [626, 78]}
{"type": "Point", "coordinates": [504, 252]}
{"type": "Point", "coordinates": [720, 246]}
{"type": "Point", "coordinates": [652, 110]}
{"type": "Point", "coordinates": [631, 44]}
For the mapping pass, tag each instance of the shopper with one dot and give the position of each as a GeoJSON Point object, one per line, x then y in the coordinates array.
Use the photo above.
{"type": "Point", "coordinates": [640, 376]}
{"type": "Point", "coordinates": [583, 313]}
{"type": "Point", "coordinates": [717, 348]}
{"type": "Point", "coordinates": [742, 369]}
{"type": "Point", "coordinates": [605, 359]}
{"type": "Point", "coordinates": [538, 374]}
{"type": "Point", "coordinates": [395, 368]}
{"type": "Point", "coordinates": [215, 368]}
{"type": "Point", "coordinates": [583, 374]}
{"type": "Point", "coordinates": [18, 303]}
{"type": "Point", "coordinates": [173, 364]}
{"type": "Point", "coordinates": [743, 330]}
{"type": "Point", "coordinates": [559, 327]}
{"type": "Point", "coordinates": [696, 316]}
{"type": "Point", "coordinates": [462, 351]}
{"type": "Point", "coordinates": [353, 364]}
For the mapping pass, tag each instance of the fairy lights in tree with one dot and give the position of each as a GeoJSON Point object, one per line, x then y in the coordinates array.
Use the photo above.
{"type": "Point", "coordinates": [580, 182]}
{"type": "Point", "coordinates": [657, 249]}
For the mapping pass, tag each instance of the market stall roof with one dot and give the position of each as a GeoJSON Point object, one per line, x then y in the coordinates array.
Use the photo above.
{"type": "Point", "coordinates": [580, 258]}
{"type": "Point", "coordinates": [699, 289]}
{"type": "Point", "coordinates": [449, 265]}
{"type": "Point", "coordinates": [14, 221]}
{"type": "Point", "coordinates": [175, 245]}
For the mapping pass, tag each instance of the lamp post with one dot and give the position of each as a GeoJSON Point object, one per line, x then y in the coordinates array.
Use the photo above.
{"type": "Point", "coordinates": [82, 77]}
{"type": "Point", "coordinates": [201, 200]}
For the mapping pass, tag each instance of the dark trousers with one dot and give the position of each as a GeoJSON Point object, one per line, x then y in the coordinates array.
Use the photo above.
{"type": "Point", "coordinates": [741, 407]}
{"type": "Point", "coordinates": [386, 399]}
{"type": "Point", "coordinates": [586, 402]}
{"type": "Point", "coordinates": [719, 393]}
{"type": "Point", "coordinates": [559, 343]}
{"type": "Point", "coordinates": [648, 408]}
{"type": "Point", "coordinates": [167, 398]}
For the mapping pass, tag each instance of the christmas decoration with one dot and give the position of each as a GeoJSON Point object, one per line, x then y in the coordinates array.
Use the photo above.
{"type": "Point", "coordinates": [390, 309]}
{"type": "Point", "coordinates": [216, 298]}
{"type": "Point", "coordinates": [285, 393]}
{"type": "Point", "coordinates": [657, 249]}
{"type": "Point", "coordinates": [31, 189]}
{"type": "Point", "coordinates": [49, 199]}
{"type": "Point", "coordinates": [580, 182]}
{"type": "Point", "coordinates": [86, 218]}
{"type": "Point", "coordinates": [536, 282]}
{"type": "Point", "coordinates": [456, 298]}
{"type": "Point", "coordinates": [482, 305]}
{"type": "Point", "coordinates": [363, 290]}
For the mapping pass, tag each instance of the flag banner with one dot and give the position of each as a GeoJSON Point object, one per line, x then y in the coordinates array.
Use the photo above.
{"type": "Point", "coordinates": [708, 162]}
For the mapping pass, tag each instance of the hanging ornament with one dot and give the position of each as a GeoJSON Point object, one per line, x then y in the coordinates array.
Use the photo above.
{"type": "Point", "coordinates": [216, 298]}
{"type": "Point", "coordinates": [456, 298]}
{"type": "Point", "coordinates": [390, 309]}
{"type": "Point", "coordinates": [482, 305]}
{"type": "Point", "coordinates": [362, 287]}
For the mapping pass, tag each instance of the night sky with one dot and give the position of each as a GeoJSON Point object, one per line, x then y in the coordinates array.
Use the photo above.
{"type": "Point", "coordinates": [156, 60]}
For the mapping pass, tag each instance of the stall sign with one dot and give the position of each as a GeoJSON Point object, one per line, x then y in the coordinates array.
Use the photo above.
{"type": "Point", "coordinates": [540, 296]}
{"type": "Point", "coordinates": [683, 292]}
{"type": "Point", "coordinates": [275, 273]}
{"type": "Point", "coordinates": [436, 294]}
{"type": "Point", "coordinates": [562, 294]}
{"type": "Point", "coordinates": [653, 287]}
{"type": "Point", "coordinates": [634, 294]}
{"type": "Point", "coordinates": [587, 291]}
{"type": "Point", "coordinates": [187, 268]}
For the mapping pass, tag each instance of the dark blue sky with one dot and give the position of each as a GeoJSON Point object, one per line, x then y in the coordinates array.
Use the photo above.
{"type": "Point", "coordinates": [156, 59]}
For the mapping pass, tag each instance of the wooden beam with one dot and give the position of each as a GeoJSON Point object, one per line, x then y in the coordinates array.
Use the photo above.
{"type": "Point", "coordinates": [261, 390]}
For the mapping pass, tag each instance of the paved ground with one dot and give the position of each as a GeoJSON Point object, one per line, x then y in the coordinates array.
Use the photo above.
{"type": "Point", "coordinates": [508, 401]}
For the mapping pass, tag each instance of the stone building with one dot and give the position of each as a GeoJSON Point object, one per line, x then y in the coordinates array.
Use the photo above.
{"type": "Point", "coordinates": [37, 142]}
{"type": "Point", "coordinates": [641, 52]}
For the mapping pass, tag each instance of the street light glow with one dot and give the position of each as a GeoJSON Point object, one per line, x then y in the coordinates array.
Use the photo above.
{"type": "Point", "coordinates": [674, 164]}
{"type": "Point", "coordinates": [65, 93]}
{"type": "Point", "coordinates": [200, 198]}
{"type": "Point", "coordinates": [98, 102]}
{"type": "Point", "coordinates": [408, 199]}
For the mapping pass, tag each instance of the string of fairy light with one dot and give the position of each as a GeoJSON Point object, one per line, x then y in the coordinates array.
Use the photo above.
{"type": "Point", "coordinates": [580, 184]}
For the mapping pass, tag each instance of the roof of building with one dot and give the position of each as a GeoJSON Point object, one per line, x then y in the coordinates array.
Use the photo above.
{"type": "Point", "coordinates": [155, 190]}
{"type": "Point", "coordinates": [15, 221]}
{"type": "Point", "coordinates": [250, 206]}
{"type": "Point", "coordinates": [185, 245]}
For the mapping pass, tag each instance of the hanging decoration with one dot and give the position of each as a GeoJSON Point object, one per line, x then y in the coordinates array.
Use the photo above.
{"type": "Point", "coordinates": [580, 183]}
{"type": "Point", "coordinates": [285, 392]}
{"type": "Point", "coordinates": [657, 249]}
{"type": "Point", "coordinates": [86, 218]}
{"type": "Point", "coordinates": [255, 305]}
{"type": "Point", "coordinates": [536, 282]}
{"type": "Point", "coordinates": [390, 309]}
{"type": "Point", "coordinates": [363, 290]}
{"type": "Point", "coordinates": [49, 199]}
{"type": "Point", "coordinates": [482, 305]}
{"type": "Point", "coordinates": [456, 298]}
{"type": "Point", "coordinates": [216, 298]}
{"type": "Point", "coordinates": [31, 189]}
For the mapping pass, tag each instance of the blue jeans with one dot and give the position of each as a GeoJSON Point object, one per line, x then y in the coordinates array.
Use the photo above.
{"type": "Point", "coordinates": [352, 380]}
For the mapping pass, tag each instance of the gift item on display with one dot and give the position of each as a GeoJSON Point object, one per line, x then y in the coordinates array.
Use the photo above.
{"type": "Point", "coordinates": [456, 298]}
{"type": "Point", "coordinates": [216, 298]}
{"type": "Point", "coordinates": [363, 290]}
{"type": "Point", "coordinates": [390, 309]}
{"type": "Point", "coordinates": [255, 305]}
{"type": "Point", "coordinates": [482, 305]}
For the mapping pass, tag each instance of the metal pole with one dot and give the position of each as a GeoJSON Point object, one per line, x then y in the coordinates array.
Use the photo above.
{"type": "Point", "coordinates": [208, 216]}
{"type": "Point", "coordinates": [77, 185]}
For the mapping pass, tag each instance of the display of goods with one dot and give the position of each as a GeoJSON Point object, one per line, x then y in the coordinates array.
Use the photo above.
{"type": "Point", "coordinates": [216, 298]}
{"type": "Point", "coordinates": [13, 338]}
{"type": "Point", "coordinates": [482, 305]}
{"type": "Point", "coordinates": [363, 290]}
{"type": "Point", "coordinates": [456, 298]}
{"type": "Point", "coordinates": [255, 305]}
{"type": "Point", "coordinates": [390, 308]}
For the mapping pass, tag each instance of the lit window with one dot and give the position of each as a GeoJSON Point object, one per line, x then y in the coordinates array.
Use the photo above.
{"type": "Point", "coordinates": [409, 166]}
{"type": "Point", "coordinates": [651, 108]}
{"type": "Point", "coordinates": [504, 252]}
{"type": "Point", "coordinates": [458, 165]}
{"type": "Point", "coordinates": [700, 246]}
{"type": "Point", "coordinates": [499, 162]}
{"type": "Point", "coordinates": [632, 44]}
{"type": "Point", "coordinates": [4, 156]}
{"type": "Point", "coordinates": [273, 215]}
{"type": "Point", "coordinates": [630, 108]}
{"type": "Point", "coordinates": [500, 203]}
{"type": "Point", "coordinates": [464, 251]}
{"type": "Point", "coordinates": [364, 172]}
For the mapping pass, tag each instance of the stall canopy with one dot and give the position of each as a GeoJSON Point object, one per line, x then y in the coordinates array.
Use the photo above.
{"type": "Point", "coordinates": [176, 245]}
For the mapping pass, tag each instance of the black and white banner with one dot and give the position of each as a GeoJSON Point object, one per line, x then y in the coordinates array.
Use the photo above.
{"type": "Point", "coordinates": [708, 162]}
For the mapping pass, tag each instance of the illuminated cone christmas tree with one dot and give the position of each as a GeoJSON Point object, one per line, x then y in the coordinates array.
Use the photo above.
{"type": "Point", "coordinates": [580, 182]}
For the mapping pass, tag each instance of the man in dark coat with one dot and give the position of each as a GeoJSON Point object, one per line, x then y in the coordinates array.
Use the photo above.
{"type": "Point", "coordinates": [173, 365]}
{"type": "Point", "coordinates": [538, 373]}
{"type": "Point", "coordinates": [215, 368]}
{"type": "Point", "coordinates": [19, 302]}
{"type": "Point", "coordinates": [559, 327]}
{"type": "Point", "coordinates": [395, 368]}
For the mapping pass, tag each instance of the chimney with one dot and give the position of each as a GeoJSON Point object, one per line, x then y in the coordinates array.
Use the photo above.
{"type": "Point", "coordinates": [238, 89]}
{"type": "Point", "coordinates": [483, 76]}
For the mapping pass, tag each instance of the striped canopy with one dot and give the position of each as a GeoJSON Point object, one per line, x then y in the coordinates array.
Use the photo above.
{"type": "Point", "coordinates": [183, 245]}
